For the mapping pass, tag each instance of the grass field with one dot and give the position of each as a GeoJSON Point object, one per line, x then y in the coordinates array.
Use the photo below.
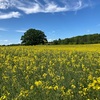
{"type": "Point", "coordinates": [69, 72]}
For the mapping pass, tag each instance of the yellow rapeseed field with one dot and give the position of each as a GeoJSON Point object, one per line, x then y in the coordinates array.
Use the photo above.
{"type": "Point", "coordinates": [65, 72]}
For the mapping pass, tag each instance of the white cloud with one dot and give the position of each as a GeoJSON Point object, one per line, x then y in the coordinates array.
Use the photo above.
{"type": "Point", "coordinates": [78, 6]}
{"type": "Point", "coordinates": [21, 31]}
{"type": "Point", "coordinates": [4, 4]}
{"type": "Point", "coordinates": [52, 7]}
{"type": "Point", "coordinates": [48, 8]}
{"type": "Point", "coordinates": [75, 5]}
{"type": "Point", "coordinates": [3, 29]}
{"type": "Point", "coordinates": [10, 15]}
{"type": "Point", "coordinates": [34, 9]}
{"type": "Point", "coordinates": [49, 40]}
{"type": "Point", "coordinates": [4, 40]}
{"type": "Point", "coordinates": [44, 6]}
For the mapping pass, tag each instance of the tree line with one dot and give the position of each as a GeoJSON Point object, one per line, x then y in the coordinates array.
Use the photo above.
{"type": "Point", "coordinates": [85, 39]}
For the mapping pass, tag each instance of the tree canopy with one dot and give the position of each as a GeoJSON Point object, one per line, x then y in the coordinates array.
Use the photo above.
{"type": "Point", "coordinates": [33, 37]}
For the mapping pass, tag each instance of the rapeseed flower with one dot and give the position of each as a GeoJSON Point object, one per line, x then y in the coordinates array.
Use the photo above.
{"type": "Point", "coordinates": [38, 83]}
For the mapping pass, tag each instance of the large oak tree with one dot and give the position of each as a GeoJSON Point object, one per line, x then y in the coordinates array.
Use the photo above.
{"type": "Point", "coordinates": [33, 37]}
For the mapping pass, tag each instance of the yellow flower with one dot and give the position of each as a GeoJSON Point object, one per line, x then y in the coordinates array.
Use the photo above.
{"type": "Point", "coordinates": [56, 87]}
{"type": "Point", "coordinates": [98, 80]}
{"type": "Point", "coordinates": [73, 86]}
{"type": "Point", "coordinates": [90, 77]}
{"type": "Point", "coordinates": [50, 87]}
{"type": "Point", "coordinates": [44, 75]}
{"type": "Point", "coordinates": [38, 83]}
{"type": "Point", "coordinates": [4, 97]}
{"type": "Point", "coordinates": [31, 87]}
{"type": "Point", "coordinates": [69, 92]}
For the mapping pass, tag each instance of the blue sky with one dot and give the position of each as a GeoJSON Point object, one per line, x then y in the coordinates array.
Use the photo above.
{"type": "Point", "coordinates": [56, 18]}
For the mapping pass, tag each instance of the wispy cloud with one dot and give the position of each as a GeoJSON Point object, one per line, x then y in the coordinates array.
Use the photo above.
{"type": "Point", "coordinates": [3, 29]}
{"type": "Point", "coordinates": [44, 6]}
{"type": "Point", "coordinates": [51, 6]}
{"type": "Point", "coordinates": [4, 40]}
{"type": "Point", "coordinates": [4, 4]}
{"type": "Point", "coordinates": [10, 15]}
{"type": "Point", "coordinates": [49, 40]}
{"type": "Point", "coordinates": [33, 9]}
{"type": "Point", "coordinates": [20, 31]}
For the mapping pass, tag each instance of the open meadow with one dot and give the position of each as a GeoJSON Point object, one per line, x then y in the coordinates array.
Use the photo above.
{"type": "Point", "coordinates": [62, 72]}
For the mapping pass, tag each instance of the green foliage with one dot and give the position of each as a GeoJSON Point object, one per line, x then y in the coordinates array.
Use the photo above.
{"type": "Point", "coordinates": [33, 37]}
{"type": "Point", "coordinates": [85, 39]}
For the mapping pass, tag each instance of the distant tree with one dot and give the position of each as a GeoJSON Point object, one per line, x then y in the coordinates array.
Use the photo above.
{"type": "Point", "coordinates": [85, 39]}
{"type": "Point", "coordinates": [55, 42]}
{"type": "Point", "coordinates": [33, 37]}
